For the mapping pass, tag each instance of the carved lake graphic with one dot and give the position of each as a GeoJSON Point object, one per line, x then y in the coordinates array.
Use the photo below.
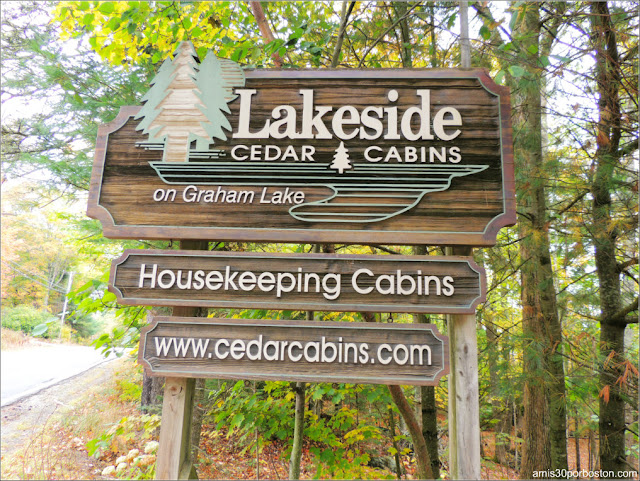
{"type": "Point", "coordinates": [383, 192]}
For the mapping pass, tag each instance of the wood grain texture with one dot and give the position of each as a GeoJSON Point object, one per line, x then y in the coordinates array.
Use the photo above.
{"type": "Point", "coordinates": [173, 452]}
{"type": "Point", "coordinates": [464, 407]}
{"type": "Point", "coordinates": [470, 212]}
{"type": "Point", "coordinates": [174, 458]}
{"type": "Point", "coordinates": [379, 341]}
{"type": "Point", "coordinates": [391, 275]}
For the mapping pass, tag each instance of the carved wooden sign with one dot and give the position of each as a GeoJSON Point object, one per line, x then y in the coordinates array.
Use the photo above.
{"type": "Point", "coordinates": [325, 282]}
{"type": "Point", "coordinates": [351, 352]}
{"type": "Point", "coordinates": [361, 156]}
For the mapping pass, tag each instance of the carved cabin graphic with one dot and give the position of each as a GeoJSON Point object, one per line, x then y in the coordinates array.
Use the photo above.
{"type": "Point", "coordinates": [186, 109]}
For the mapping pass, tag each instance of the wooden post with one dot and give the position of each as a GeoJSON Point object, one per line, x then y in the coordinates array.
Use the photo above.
{"type": "Point", "coordinates": [464, 409]}
{"type": "Point", "coordinates": [174, 453]}
{"type": "Point", "coordinates": [175, 430]}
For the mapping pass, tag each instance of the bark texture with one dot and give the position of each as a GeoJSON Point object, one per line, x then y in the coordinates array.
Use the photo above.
{"type": "Point", "coordinates": [344, 20]}
{"type": "Point", "coordinates": [429, 409]}
{"type": "Point", "coordinates": [296, 450]}
{"type": "Point", "coordinates": [430, 427]}
{"type": "Point", "coordinates": [265, 29]}
{"type": "Point", "coordinates": [419, 446]}
{"type": "Point", "coordinates": [545, 444]}
{"type": "Point", "coordinates": [151, 397]}
{"type": "Point", "coordinates": [611, 419]}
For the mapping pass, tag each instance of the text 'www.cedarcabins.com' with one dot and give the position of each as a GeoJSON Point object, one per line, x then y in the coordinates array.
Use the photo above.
{"type": "Point", "coordinates": [322, 351]}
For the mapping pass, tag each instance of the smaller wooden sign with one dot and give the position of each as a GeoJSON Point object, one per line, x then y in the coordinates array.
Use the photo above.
{"type": "Point", "coordinates": [348, 352]}
{"type": "Point", "coordinates": [329, 282]}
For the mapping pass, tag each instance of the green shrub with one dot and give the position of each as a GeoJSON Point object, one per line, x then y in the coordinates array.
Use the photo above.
{"type": "Point", "coordinates": [339, 439]}
{"type": "Point", "coordinates": [85, 325]}
{"type": "Point", "coordinates": [26, 318]}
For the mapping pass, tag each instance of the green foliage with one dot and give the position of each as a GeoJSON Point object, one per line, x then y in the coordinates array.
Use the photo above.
{"type": "Point", "coordinates": [129, 391]}
{"type": "Point", "coordinates": [93, 297]}
{"type": "Point", "coordinates": [243, 408]}
{"type": "Point", "coordinates": [85, 326]}
{"type": "Point", "coordinates": [340, 439]}
{"type": "Point", "coordinates": [30, 320]}
{"type": "Point", "coordinates": [104, 60]}
{"type": "Point", "coordinates": [72, 93]}
{"type": "Point", "coordinates": [98, 446]}
{"type": "Point", "coordinates": [338, 453]}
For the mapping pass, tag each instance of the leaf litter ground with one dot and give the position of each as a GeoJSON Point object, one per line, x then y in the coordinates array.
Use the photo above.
{"type": "Point", "coordinates": [46, 436]}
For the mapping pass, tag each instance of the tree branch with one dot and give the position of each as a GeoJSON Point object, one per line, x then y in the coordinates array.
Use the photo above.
{"type": "Point", "coordinates": [381, 37]}
{"type": "Point", "coordinates": [623, 265]}
{"type": "Point", "coordinates": [419, 444]}
{"type": "Point", "coordinates": [571, 204]}
{"type": "Point", "coordinates": [628, 148]}
{"type": "Point", "coordinates": [622, 316]}
{"type": "Point", "coordinates": [346, 12]}
{"type": "Point", "coordinates": [265, 29]}
{"type": "Point", "coordinates": [487, 17]}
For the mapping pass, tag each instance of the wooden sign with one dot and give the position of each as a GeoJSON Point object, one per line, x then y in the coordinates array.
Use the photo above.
{"type": "Point", "coordinates": [349, 352]}
{"type": "Point", "coordinates": [359, 156]}
{"type": "Point", "coordinates": [325, 282]}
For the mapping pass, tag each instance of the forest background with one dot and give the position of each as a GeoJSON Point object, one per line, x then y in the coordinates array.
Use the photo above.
{"type": "Point", "coordinates": [558, 335]}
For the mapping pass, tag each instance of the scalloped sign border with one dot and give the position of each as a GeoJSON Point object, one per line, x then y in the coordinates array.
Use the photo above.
{"type": "Point", "coordinates": [116, 186]}
{"type": "Point", "coordinates": [207, 343]}
{"type": "Point", "coordinates": [323, 282]}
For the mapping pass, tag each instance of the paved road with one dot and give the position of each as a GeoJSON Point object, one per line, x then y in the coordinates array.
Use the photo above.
{"type": "Point", "coordinates": [26, 371]}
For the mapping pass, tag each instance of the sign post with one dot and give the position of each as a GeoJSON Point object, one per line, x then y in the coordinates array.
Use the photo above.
{"type": "Point", "coordinates": [174, 453]}
{"type": "Point", "coordinates": [175, 430]}
{"type": "Point", "coordinates": [464, 408]}
{"type": "Point", "coordinates": [356, 156]}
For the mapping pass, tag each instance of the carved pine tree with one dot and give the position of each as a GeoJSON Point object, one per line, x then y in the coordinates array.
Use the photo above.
{"type": "Point", "coordinates": [152, 99]}
{"type": "Point", "coordinates": [186, 102]}
{"type": "Point", "coordinates": [211, 95]}
{"type": "Point", "coordinates": [341, 160]}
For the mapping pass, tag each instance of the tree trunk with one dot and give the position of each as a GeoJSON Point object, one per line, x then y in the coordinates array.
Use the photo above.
{"type": "Point", "coordinates": [405, 35]}
{"type": "Point", "coordinates": [429, 410]}
{"type": "Point", "coordinates": [430, 427]}
{"type": "Point", "coordinates": [576, 438]}
{"type": "Point", "coordinates": [607, 73]}
{"type": "Point", "coordinates": [409, 416]}
{"type": "Point", "coordinates": [392, 427]}
{"type": "Point", "coordinates": [419, 446]}
{"type": "Point", "coordinates": [296, 450]}
{"type": "Point", "coordinates": [265, 29]}
{"type": "Point", "coordinates": [196, 419]}
{"type": "Point", "coordinates": [176, 148]}
{"type": "Point", "coordinates": [545, 445]}
{"type": "Point", "coordinates": [344, 20]}
{"type": "Point", "coordinates": [499, 408]}
{"type": "Point", "coordinates": [151, 397]}
{"type": "Point", "coordinates": [433, 45]}
{"type": "Point", "coordinates": [611, 422]}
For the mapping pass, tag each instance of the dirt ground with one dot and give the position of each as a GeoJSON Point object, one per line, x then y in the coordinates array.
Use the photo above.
{"type": "Point", "coordinates": [24, 419]}
{"type": "Point", "coordinates": [39, 442]}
